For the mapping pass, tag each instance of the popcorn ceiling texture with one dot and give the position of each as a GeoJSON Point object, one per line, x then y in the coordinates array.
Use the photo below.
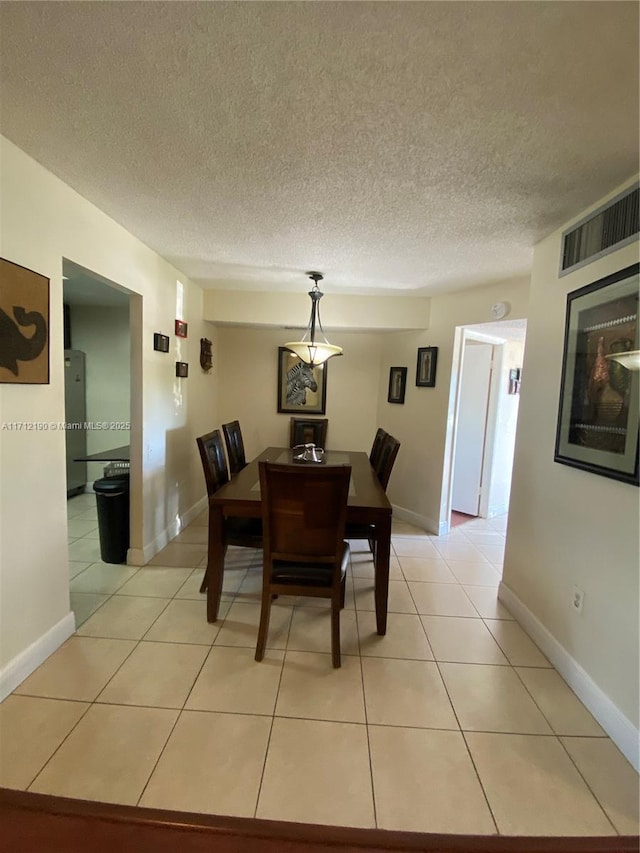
{"type": "Point", "coordinates": [411, 147]}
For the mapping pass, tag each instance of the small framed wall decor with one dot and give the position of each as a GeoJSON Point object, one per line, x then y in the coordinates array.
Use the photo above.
{"type": "Point", "coordinates": [426, 367]}
{"type": "Point", "coordinates": [182, 369]}
{"type": "Point", "coordinates": [397, 384]}
{"type": "Point", "coordinates": [515, 377]}
{"type": "Point", "coordinates": [181, 329]}
{"type": "Point", "coordinates": [160, 342]}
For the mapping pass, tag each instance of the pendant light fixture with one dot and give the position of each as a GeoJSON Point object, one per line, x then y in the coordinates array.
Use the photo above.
{"type": "Point", "coordinates": [629, 359]}
{"type": "Point", "coordinates": [310, 350]}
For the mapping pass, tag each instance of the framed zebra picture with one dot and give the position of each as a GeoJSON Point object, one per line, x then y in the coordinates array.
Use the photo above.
{"type": "Point", "coordinates": [300, 388]}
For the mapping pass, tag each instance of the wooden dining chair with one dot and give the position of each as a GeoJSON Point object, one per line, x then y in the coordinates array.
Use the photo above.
{"type": "Point", "coordinates": [376, 447]}
{"type": "Point", "coordinates": [308, 431]}
{"type": "Point", "coordinates": [390, 448]}
{"type": "Point", "coordinates": [242, 532]}
{"type": "Point", "coordinates": [235, 447]}
{"type": "Point", "coordinates": [304, 512]}
{"type": "Point", "coordinates": [385, 461]}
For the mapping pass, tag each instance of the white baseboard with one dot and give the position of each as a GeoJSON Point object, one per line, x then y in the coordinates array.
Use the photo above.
{"type": "Point", "coordinates": [141, 556]}
{"type": "Point", "coordinates": [15, 672]}
{"type": "Point", "coordinates": [497, 509]}
{"type": "Point", "coordinates": [421, 521]}
{"type": "Point", "coordinates": [620, 729]}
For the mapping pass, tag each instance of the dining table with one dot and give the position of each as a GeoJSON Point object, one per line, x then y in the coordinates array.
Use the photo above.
{"type": "Point", "coordinates": [240, 497]}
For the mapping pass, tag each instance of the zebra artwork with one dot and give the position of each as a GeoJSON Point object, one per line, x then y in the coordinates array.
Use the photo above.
{"type": "Point", "coordinates": [299, 378]}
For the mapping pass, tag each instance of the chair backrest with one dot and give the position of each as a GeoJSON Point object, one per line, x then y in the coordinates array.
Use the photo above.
{"type": "Point", "coordinates": [308, 431]}
{"type": "Point", "coordinates": [211, 449]}
{"type": "Point", "coordinates": [390, 448]}
{"type": "Point", "coordinates": [376, 447]}
{"type": "Point", "coordinates": [304, 511]}
{"type": "Point", "coordinates": [235, 446]}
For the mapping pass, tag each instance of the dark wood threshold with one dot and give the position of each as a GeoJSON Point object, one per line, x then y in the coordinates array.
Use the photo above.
{"type": "Point", "coordinates": [39, 823]}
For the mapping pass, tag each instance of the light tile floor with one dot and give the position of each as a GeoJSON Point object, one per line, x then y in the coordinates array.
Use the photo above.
{"type": "Point", "coordinates": [454, 722]}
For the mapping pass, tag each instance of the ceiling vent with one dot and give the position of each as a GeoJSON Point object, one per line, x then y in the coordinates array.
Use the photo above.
{"type": "Point", "coordinates": [604, 230]}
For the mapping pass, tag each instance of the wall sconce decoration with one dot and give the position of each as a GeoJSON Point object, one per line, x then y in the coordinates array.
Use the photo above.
{"type": "Point", "coordinates": [206, 356]}
{"type": "Point", "coordinates": [514, 380]}
{"type": "Point", "coordinates": [160, 342]}
{"type": "Point", "coordinates": [181, 329]}
{"type": "Point", "coordinates": [182, 369]}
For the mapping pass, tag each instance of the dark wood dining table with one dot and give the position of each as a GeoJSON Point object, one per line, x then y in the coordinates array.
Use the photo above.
{"type": "Point", "coordinates": [367, 504]}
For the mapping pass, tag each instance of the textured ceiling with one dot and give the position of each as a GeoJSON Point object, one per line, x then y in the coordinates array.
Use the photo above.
{"type": "Point", "coordinates": [397, 147]}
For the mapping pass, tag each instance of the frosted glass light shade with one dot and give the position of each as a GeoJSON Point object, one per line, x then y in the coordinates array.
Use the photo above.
{"type": "Point", "coordinates": [629, 359]}
{"type": "Point", "coordinates": [313, 353]}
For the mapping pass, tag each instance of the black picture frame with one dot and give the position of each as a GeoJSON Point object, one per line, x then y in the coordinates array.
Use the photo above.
{"type": "Point", "coordinates": [24, 334]}
{"type": "Point", "coordinates": [397, 384]}
{"type": "Point", "coordinates": [160, 342]}
{"type": "Point", "coordinates": [597, 427]}
{"type": "Point", "coordinates": [301, 389]}
{"type": "Point", "coordinates": [182, 369]}
{"type": "Point", "coordinates": [426, 367]}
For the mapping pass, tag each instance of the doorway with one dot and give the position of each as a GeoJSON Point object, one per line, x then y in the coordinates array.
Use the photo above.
{"type": "Point", "coordinates": [484, 408]}
{"type": "Point", "coordinates": [98, 367]}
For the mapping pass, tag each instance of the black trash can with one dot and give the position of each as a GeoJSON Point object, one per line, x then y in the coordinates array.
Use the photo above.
{"type": "Point", "coordinates": [112, 499]}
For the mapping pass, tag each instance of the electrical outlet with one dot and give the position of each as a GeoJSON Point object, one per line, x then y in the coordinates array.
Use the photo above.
{"type": "Point", "coordinates": [577, 600]}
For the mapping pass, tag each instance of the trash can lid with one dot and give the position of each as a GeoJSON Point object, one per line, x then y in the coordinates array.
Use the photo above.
{"type": "Point", "coordinates": [111, 485]}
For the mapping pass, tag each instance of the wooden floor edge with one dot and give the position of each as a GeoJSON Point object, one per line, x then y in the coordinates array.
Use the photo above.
{"type": "Point", "coordinates": [43, 823]}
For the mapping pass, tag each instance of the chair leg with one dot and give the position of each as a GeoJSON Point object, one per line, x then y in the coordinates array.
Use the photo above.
{"type": "Point", "coordinates": [263, 630]}
{"type": "Point", "coordinates": [343, 589]}
{"type": "Point", "coordinates": [203, 585]}
{"type": "Point", "coordinates": [205, 581]}
{"type": "Point", "coordinates": [335, 631]}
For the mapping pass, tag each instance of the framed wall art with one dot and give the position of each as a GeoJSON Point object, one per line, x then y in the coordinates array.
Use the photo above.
{"type": "Point", "coordinates": [181, 329]}
{"type": "Point", "coordinates": [206, 354]}
{"type": "Point", "coordinates": [301, 389]}
{"type": "Point", "coordinates": [597, 426]}
{"type": "Point", "coordinates": [24, 325]}
{"type": "Point", "coordinates": [160, 342]}
{"type": "Point", "coordinates": [426, 367]}
{"type": "Point", "coordinates": [397, 384]}
{"type": "Point", "coordinates": [182, 369]}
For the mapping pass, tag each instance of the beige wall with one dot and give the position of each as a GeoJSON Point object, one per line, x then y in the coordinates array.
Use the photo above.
{"type": "Point", "coordinates": [43, 221]}
{"type": "Point", "coordinates": [337, 311]}
{"type": "Point", "coordinates": [247, 362]}
{"type": "Point", "coordinates": [569, 527]}
{"type": "Point", "coordinates": [419, 475]}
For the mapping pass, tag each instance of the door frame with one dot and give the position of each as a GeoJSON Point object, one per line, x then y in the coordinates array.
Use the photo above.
{"type": "Point", "coordinates": [463, 334]}
{"type": "Point", "coordinates": [136, 324]}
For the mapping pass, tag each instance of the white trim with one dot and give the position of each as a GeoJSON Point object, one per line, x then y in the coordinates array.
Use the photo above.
{"type": "Point", "coordinates": [141, 556]}
{"type": "Point", "coordinates": [497, 509]}
{"type": "Point", "coordinates": [15, 672]}
{"type": "Point", "coordinates": [463, 335]}
{"type": "Point", "coordinates": [620, 729]}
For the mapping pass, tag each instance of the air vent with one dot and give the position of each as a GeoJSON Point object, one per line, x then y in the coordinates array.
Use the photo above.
{"type": "Point", "coordinates": [602, 232]}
